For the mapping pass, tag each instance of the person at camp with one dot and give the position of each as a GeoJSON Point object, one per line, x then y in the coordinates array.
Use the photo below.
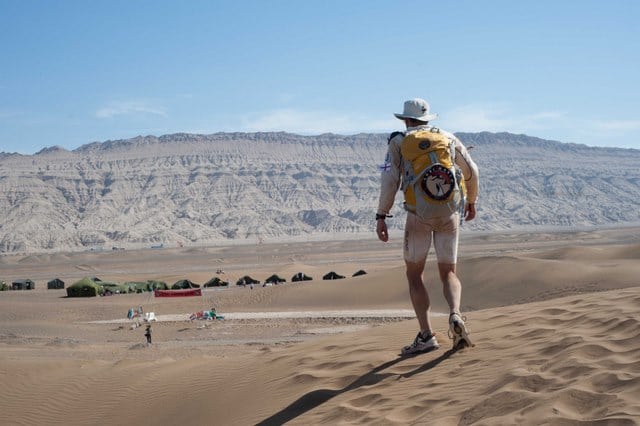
{"type": "Point", "coordinates": [147, 334]}
{"type": "Point", "coordinates": [440, 183]}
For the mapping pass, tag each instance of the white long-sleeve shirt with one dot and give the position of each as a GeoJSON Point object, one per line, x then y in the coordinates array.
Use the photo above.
{"type": "Point", "coordinates": [393, 170]}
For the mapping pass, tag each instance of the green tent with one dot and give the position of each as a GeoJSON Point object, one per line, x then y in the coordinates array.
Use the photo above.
{"type": "Point", "coordinates": [25, 284]}
{"type": "Point", "coordinates": [275, 279]}
{"type": "Point", "coordinates": [55, 283]}
{"type": "Point", "coordinates": [184, 284]}
{"type": "Point", "coordinates": [332, 276]}
{"type": "Point", "coordinates": [300, 277]}
{"type": "Point", "coordinates": [86, 287]}
{"type": "Point", "coordinates": [149, 285]}
{"type": "Point", "coordinates": [247, 280]}
{"type": "Point", "coordinates": [216, 282]}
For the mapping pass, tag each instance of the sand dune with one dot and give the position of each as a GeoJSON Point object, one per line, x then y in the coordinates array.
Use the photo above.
{"type": "Point", "coordinates": [556, 329]}
{"type": "Point", "coordinates": [570, 359]}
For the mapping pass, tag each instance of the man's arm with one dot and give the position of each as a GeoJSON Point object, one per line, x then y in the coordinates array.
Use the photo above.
{"type": "Point", "coordinates": [469, 171]}
{"type": "Point", "coordinates": [389, 184]}
{"type": "Point", "coordinates": [471, 179]}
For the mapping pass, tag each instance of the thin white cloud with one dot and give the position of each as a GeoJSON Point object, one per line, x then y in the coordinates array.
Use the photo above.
{"type": "Point", "coordinates": [556, 125]}
{"type": "Point", "coordinates": [499, 118]}
{"type": "Point", "coordinates": [474, 118]}
{"type": "Point", "coordinates": [618, 125]}
{"type": "Point", "coordinates": [313, 122]}
{"type": "Point", "coordinates": [550, 124]}
{"type": "Point", "coordinates": [130, 108]}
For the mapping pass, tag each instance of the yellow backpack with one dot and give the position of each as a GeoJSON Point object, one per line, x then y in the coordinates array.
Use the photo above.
{"type": "Point", "coordinates": [433, 186]}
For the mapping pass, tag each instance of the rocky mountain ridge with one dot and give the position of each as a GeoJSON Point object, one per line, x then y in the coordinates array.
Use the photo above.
{"type": "Point", "coordinates": [183, 189]}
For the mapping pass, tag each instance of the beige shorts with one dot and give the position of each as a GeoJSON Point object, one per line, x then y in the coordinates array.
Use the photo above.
{"type": "Point", "coordinates": [418, 235]}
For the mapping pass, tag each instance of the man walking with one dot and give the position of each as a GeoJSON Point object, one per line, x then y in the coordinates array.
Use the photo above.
{"type": "Point", "coordinates": [440, 182]}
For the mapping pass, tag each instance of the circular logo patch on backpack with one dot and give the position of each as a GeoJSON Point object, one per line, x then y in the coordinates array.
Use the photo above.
{"type": "Point", "coordinates": [438, 182]}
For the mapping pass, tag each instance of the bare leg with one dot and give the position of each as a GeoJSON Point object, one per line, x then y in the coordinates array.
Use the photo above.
{"type": "Point", "coordinates": [450, 285]}
{"type": "Point", "coordinates": [418, 294]}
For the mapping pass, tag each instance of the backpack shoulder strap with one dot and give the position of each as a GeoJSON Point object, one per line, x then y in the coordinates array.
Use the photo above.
{"type": "Point", "coordinates": [393, 135]}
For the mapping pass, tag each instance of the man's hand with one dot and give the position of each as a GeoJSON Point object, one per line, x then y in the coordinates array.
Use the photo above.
{"type": "Point", "coordinates": [381, 230]}
{"type": "Point", "coordinates": [469, 212]}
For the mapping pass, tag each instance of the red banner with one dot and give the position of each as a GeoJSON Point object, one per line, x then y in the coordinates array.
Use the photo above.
{"type": "Point", "coordinates": [178, 293]}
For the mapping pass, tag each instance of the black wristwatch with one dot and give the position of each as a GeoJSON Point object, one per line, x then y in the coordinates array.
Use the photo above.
{"type": "Point", "coordinates": [382, 216]}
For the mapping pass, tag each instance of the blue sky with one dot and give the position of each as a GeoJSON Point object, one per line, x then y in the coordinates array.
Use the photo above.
{"type": "Point", "coordinates": [75, 72]}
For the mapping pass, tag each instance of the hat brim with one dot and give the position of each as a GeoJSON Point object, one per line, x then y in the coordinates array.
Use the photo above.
{"type": "Point", "coordinates": [427, 117]}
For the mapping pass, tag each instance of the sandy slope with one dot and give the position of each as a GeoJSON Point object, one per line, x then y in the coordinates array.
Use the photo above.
{"type": "Point", "coordinates": [557, 332]}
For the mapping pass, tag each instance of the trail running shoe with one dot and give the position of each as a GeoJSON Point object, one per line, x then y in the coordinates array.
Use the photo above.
{"type": "Point", "coordinates": [421, 344]}
{"type": "Point", "coordinates": [458, 332]}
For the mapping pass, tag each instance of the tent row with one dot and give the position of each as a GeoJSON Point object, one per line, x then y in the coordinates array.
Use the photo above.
{"type": "Point", "coordinates": [276, 279]}
{"type": "Point", "coordinates": [94, 286]}
{"type": "Point", "coordinates": [27, 284]}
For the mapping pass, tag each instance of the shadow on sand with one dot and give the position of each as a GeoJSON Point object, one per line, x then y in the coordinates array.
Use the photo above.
{"type": "Point", "coordinates": [311, 400]}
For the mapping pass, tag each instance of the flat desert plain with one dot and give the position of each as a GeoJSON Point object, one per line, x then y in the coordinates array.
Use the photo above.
{"type": "Point", "coordinates": [554, 316]}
